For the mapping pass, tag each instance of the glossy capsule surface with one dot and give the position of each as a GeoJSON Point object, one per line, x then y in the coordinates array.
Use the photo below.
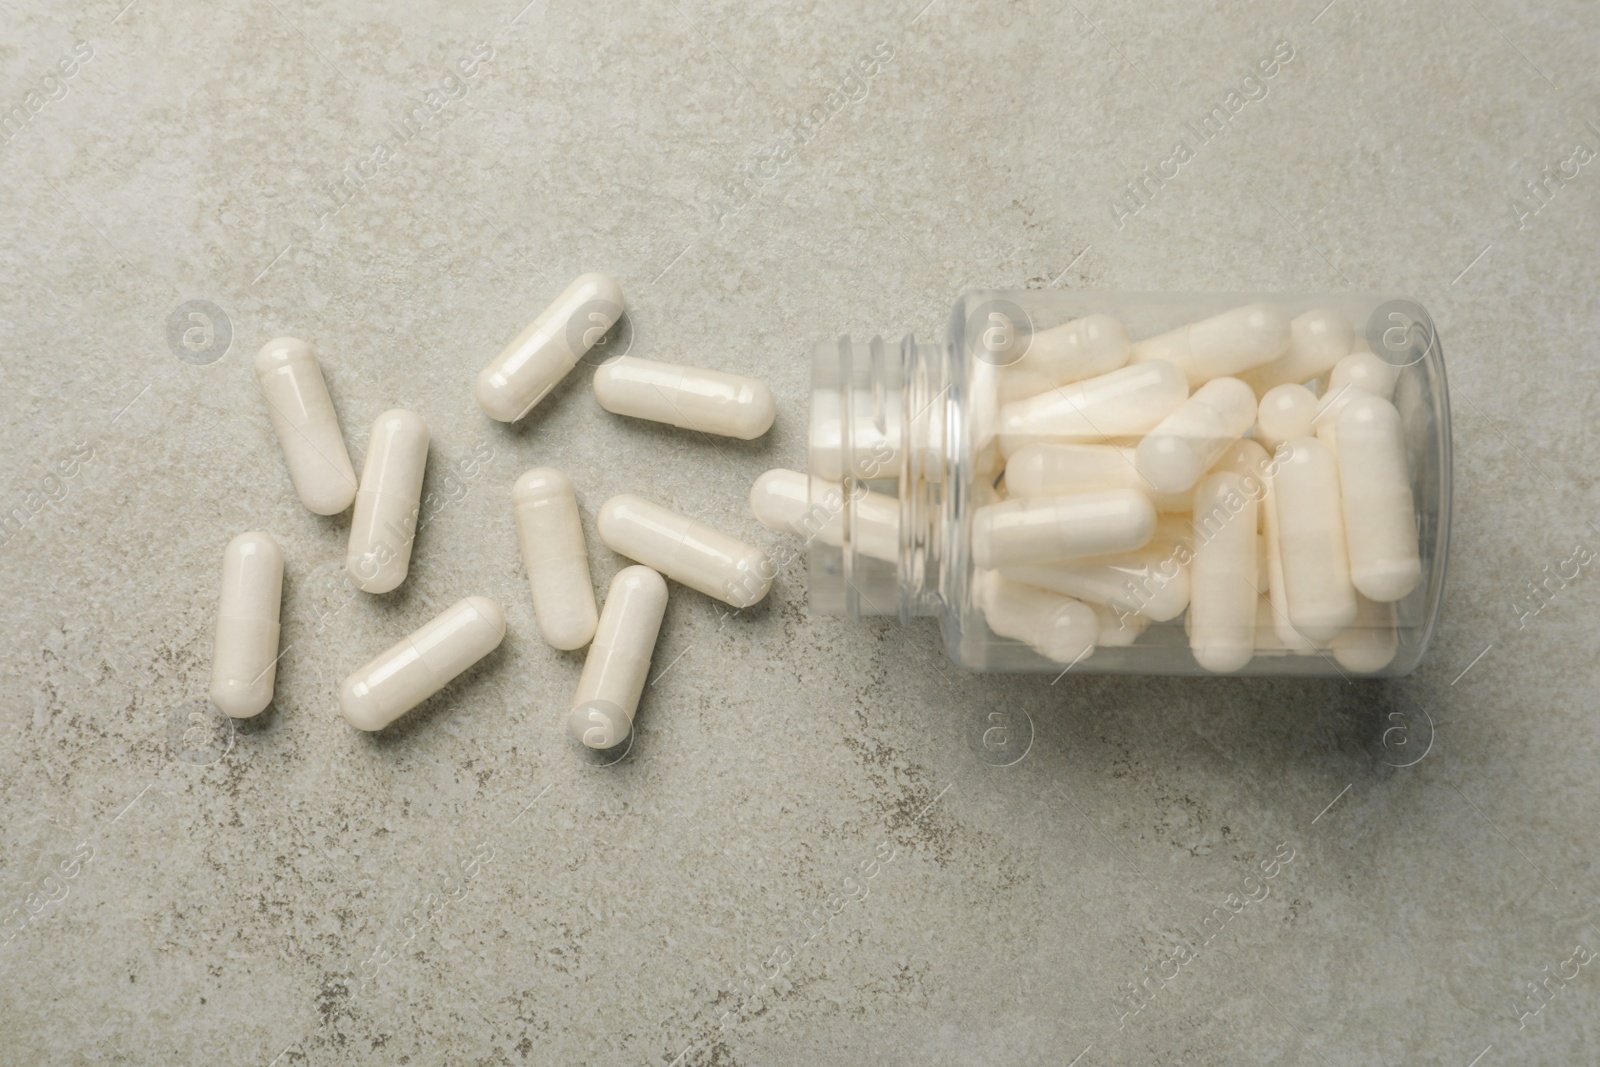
{"type": "Point", "coordinates": [691, 398]}
{"type": "Point", "coordinates": [302, 416]}
{"type": "Point", "coordinates": [422, 664]}
{"type": "Point", "coordinates": [790, 502]}
{"type": "Point", "coordinates": [1149, 583]}
{"type": "Point", "coordinates": [699, 556]}
{"type": "Point", "coordinates": [1320, 599]}
{"type": "Point", "coordinates": [1318, 339]}
{"type": "Point", "coordinates": [1358, 374]}
{"type": "Point", "coordinates": [550, 533]}
{"type": "Point", "coordinates": [1174, 454]}
{"type": "Point", "coordinates": [1128, 401]}
{"type": "Point", "coordinates": [1222, 345]}
{"type": "Point", "coordinates": [1017, 533]}
{"type": "Point", "coordinates": [1286, 412]}
{"type": "Point", "coordinates": [244, 658]}
{"type": "Point", "coordinates": [1059, 628]}
{"type": "Point", "coordinates": [1380, 517]}
{"type": "Point", "coordinates": [1371, 641]}
{"type": "Point", "coordinates": [1057, 469]}
{"type": "Point", "coordinates": [1222, 580]}
{"type": "Point", "coordinates": [549, 347]}
{"type": "Point", "coordinates": [618, 664]}
{"type": "Point", "coordinates": [385, 521]}
{"type": "Point", "coordinates": [1082, 348]}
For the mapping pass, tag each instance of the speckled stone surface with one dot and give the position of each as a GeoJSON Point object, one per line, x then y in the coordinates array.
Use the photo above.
{"type": "Point", "coordinates": [804, 858]}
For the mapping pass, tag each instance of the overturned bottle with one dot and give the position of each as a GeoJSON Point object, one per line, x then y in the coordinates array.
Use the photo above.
{"type": "Point", "coordinates": [1137, 483]}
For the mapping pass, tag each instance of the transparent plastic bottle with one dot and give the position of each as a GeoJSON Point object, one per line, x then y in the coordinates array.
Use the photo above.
{"type": "Point", "coordinates": [910, 443]}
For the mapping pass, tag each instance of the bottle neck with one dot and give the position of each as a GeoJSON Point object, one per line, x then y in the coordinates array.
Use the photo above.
{"type": "Point", "coordinates": [883, 421]}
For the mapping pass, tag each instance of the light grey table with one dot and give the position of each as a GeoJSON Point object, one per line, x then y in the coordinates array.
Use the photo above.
{"type": "Point", "coordinates": [804, 859]}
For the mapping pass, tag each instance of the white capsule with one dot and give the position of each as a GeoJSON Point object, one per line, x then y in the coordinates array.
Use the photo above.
{"type": "Point", "coordinates": [1222, 590]}
{"type": "Point", "coordinates": [1270, 629]}
{"type": "Point", "coordinates": [618, 665]}
{"type": "Point", "coordinates": [1247, 458]}
{"type": "Point", "coordinates": [690, 552]}
{"type": "Point", "coordinates": [385, 520]}
{"type": "Point", "coordinates": [1360, 373]}
{"type": "Point", "coordinates": [1059, 628]}
{"type": "Point", "coordinates": [1371, 641]}
{"type": "Point", "coordinates": [1054, 470]}
{"type": "Point", "coordinates": [1223, 345]}
{"type": "Point", "coordinates": [690, 398]}
{"type": "Point", "coordinates": [244, 656]}
{"type": "Point", "coordinates": [551, 345]}
{"type": "Point", "coordinates": [874, 452]}
{"type": "Point", "coordinates": [308, 429]}
{"type": "Point", "coordinates": [1311, 543]}
{"type": "Point", "coordinates": [1286, 412]}
{"type": "Point", "coordinates": [1118, 628]}
{"type": "Point", "coordinates": [1070, 352]}
{"type": "Point", "coordinates": [1318, 339]}
{"type": "Point", "coordinates": [1380, 518]}
{"type": "Point", "coordinates": [1365, 371]}
{"type": "Point", "coordinates": [422, 664]}
{"type": "Point", "coordinates": [1016, 533]}
{"type": "Point", "coordinates": [551, 535]}
{"type": "Point", "coordinates": [1173, 536]}
{"type": "Point", "coordinates": [1126, 402]}
{"type": "Point", "coordinates": [1285, 635]}
{"type": "Point", "coordinates": [1177, 452]}
{"type": "Point", "coordinates": [780, 502]}
{"type": "Point", "coordinates": [1150, 583]}
{"type": "Point", "coordinates": [1234, 509]}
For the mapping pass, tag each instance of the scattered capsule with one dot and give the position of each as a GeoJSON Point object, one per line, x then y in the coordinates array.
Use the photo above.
{"type": "Point", "coordinates": [557, 561]}
{"type": "Point", "coordinates": [308, 429]}
{"type": "Point", "coordinates": [1223, 345]}
{"type": "Point", "coordinates": [1222, 590]}
{"type": "Point", "coordinates": [710, 401]}
{"type": "Point", "coordinates": [1311, 542]}
{"type": "Point", "coordinates": [618, 665]}
{"type": "Point", "coordinates": [1126, 402]}
{"type": "Point", "coordinates": [1017, 533]}
{"type": "Point", "coordinates": [1318, 339]}
{"type": "Point", "coordinates": [385, 520]}
{"type": "Point", "coordinates": [542, 354]}
{"type": "Point", "coordinates": [1380, 518]}
{"type": "Point", "coordinates": [780, 501]}
{"type": "Point", "coordinates": [422, 664]}
{"type": "Point", "coordinates": [702, 558]}
{"type": "Point", "coordinates": [1174, 454]}
{"type": "Point", "coordinates": [244, 658]}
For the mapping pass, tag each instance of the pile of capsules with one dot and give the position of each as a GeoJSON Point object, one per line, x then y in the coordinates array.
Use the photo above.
{"type": "Point", "coordinates": [1249, 469]}
{"type": "Point", "coordinates": [388, 498]}
{"type": "Point", "coordinates": [1247, 472]}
